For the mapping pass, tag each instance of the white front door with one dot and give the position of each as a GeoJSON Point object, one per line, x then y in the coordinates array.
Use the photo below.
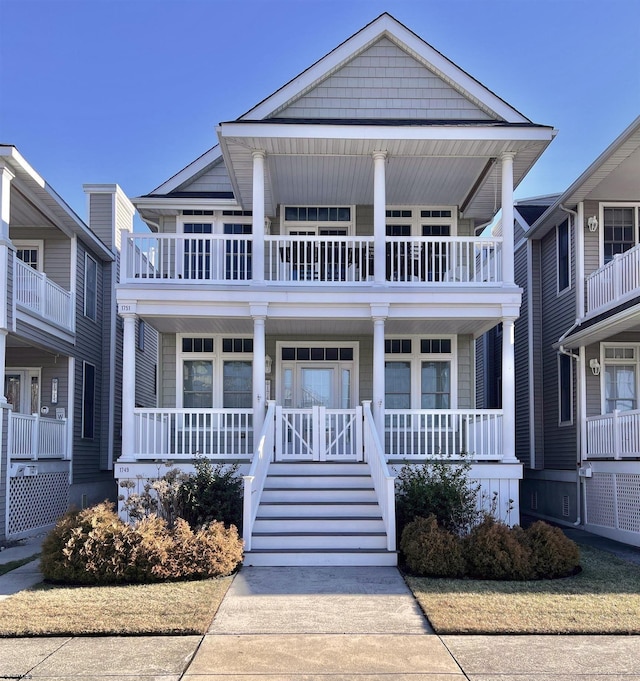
{"type": "Point", "coordinates": [22, 390]}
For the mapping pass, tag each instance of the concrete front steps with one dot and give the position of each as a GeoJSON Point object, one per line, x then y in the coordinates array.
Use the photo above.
{"type": "Point", "coordinates": [319, 513]}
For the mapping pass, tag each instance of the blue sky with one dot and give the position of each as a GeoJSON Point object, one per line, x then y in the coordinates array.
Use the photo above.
{"type": "Point", "coordinates": [130, 91]}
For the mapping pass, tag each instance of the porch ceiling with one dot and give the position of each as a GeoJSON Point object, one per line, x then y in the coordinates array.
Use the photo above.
{"type": "Point", "coordinates": [429, 165]}
{"type": "Point", "coordinates": [318, 327]}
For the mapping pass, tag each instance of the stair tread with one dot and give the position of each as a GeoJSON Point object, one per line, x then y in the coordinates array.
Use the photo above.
{"type": "Point", "coordinates": [319, 534]}
{"type": "Point", "coordinates": [323, 488]}
{"type": "Point", "coordinates": [318, 503]}
{"type": "Point", "coordinates": [302, 550]}
{"type": "Point", "coordinates": [319, 517]}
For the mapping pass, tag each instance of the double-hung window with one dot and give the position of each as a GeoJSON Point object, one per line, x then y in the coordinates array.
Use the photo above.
{"type": "Point", "coordinates": [620, 230]}
{"type": "Point", "coordinates": [621, 377]}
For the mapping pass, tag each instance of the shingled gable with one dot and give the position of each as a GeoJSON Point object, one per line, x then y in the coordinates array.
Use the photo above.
{"type": "Point", "coordinates": [346, 86]}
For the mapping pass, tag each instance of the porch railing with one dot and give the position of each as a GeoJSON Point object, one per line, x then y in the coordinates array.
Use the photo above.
{"type": "Point", "coordinates": [184, 433]}
{"type": "Point", "coordinates": [383, 481]}
{"type": "Point", "coordinates": [458, 433]}
{"type": "Point", "coordinates": [254, 480]}
{"type": "Point", "coordinates": [35, 292]}
{"type": "Point", "coordinates": [615, 435]}
{"type": "Point", "coordinates": [301, 260]}
{"type": "Point", "coordinates": [33, 437]}
{"type": "Point", "coordinates": [614, 282]}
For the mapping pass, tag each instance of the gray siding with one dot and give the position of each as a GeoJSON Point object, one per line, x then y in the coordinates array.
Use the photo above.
{"type": "Point", "coordinates": [167, 370]}
{"type": "Point", "coordinates": [523, 378]}
{"type": "Point", "coordinates": [215, 179]}
{"type": "Point", "coordinates": [146, 363]}
{"type": "Point", "coordinates": [591, 240]}
{"type": "Point", "coordinates": [101, 216]}
{"type": "Point", "coordinates": [465, 373]}
{"type": "Point", "coordinates": [558, 316]}
{"type": "Point", "coordinates": [56, 251]}
{"type": "Point", "coordinates": [407, 89]}
{"type": "Point", "coordinates": [537, 360]}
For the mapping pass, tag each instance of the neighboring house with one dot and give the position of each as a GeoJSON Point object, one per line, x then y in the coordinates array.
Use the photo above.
{"type": "Point", "coordinates": [318, 282]}
{"type": "Point", "coordinates": [578, 347]}
{"type": "Point", "coordinates": [58, 347]}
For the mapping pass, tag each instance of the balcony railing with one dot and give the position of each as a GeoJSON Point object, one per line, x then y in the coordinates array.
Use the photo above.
{"type": "Point", "coordinates": [35, 292]}
{"type": "Point", "coordinates": [449, 433]}
{"type": "Point", "coordinates": [618, 280]}
{"type": "Point", "coordinates": [34, 438]}
{"type": "Point", "coordinates": [614, 436]}
{"type": "Point", "coordinates": [301, 260]}
{"type": "Point", "coordinates": [225, 434]}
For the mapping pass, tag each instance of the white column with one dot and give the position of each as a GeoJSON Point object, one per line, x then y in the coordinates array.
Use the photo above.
{"type": "Point", "coordinates": [3, 358]}
{"type": "Point", "coordinates": [378, 371]}
{"type": "Point", "coordinates": [128, 387]}
{"type": "Point", "coordinates": [379, 218]}
{"type": "Point", "coordinates": [507, 218]}
{"type": "Point", "coordinates": [259, 401]}
{"type": "Point", "coordinates": [508, 391]}
{"type": "Point", "coordinates": [257, 253]}
{"type": "Point", "coordinates": [5, 200]}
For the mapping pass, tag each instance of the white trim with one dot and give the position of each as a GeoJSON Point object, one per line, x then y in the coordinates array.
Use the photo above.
{"type": "Point", "coordinates": [201, 163]}
{"type": "Point", "coordinates": [613, 362]}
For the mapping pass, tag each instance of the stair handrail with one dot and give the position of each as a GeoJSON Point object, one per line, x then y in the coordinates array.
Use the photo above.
{"type": "Point", "coordinates": [254, 480]}
{"type": "Point", "coordinates": [383, 481]}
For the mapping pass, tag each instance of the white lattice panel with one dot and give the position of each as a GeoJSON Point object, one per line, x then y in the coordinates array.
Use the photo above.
{"type": "Point", "coordinates": [628, 485]}
{"type": "Point", "coordinates": [37, 501]}
{"type": "Point", "coordinates": [600, 500]}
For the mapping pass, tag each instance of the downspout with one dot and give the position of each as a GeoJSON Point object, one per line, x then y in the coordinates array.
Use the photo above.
{"type": "Point", "coordinates": [581, 411]}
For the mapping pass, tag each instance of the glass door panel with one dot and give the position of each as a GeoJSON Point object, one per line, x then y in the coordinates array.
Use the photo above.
{"type": "Point", "coordinates": [316, 387]}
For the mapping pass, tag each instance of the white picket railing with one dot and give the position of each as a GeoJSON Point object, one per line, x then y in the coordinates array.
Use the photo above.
{"type": "Point", "coordinates": [318, 434]}
{"type": "Point", "coordinates": [184, 433]}
{"type": "Point", "coordinates": [416, 434]}
{"type": "Point", "coordinates": [615, 435]}
{"type": "Point", "coordinates": [254, 480]}
{"type": "Point", "coordinates": [616, 281]}
{"type": "Point", "coordinates": [383, 481]}
{"type": "Point", "coordinates": [301, 260]}
{"type": "Point", "coordinates": [34, 291]}
{"type": "Point", "coordinates": [33, 437]}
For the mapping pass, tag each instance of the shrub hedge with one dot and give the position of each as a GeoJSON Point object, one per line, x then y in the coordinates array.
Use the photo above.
{"type": "Point", "coordinates": [491, 550]}
{"type": "Point", "coordinates": [94, 546]}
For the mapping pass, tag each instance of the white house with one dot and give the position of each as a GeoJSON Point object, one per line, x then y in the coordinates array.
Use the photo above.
{"type": "Point", "coordinates": [318, 280]}
{"type": "Point", "coordinates": [578, 347]}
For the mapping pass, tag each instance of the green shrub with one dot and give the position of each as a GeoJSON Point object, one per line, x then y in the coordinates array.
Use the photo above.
{"type": "Point", "coordinates": [495, 551]}
{"type": "Point", "coordinates": [440, 488]}
{"type": "Point", "coordinates": [211, 493]}
{"type": "Point", "coordinates": [94, 546]}
{"type": "Point", "coordinates": [432, 551]}
{"type": "Point", "coordinates": [552, 553]}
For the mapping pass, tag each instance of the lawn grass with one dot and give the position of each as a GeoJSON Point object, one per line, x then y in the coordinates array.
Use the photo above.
{"type": "Point", "coordinates": [165, 608]}
{"type": "Point", "coordinates": [603, 599]}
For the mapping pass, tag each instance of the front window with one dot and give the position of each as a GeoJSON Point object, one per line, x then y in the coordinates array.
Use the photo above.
{"type": "Point", "coordinates": [620, 231]}
{"type": "Point", "coordinates": [621, 377]}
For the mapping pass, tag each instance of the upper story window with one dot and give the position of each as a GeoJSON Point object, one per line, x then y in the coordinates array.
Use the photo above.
{"type": "Point", "coordinates": [620, 229]}
{"type": "Point", "coordinates": [318, 220]}
{"type": "Point", "coordinates": [30, 252]}
{"type": "Point", "coordinates": [564, 256]}
{"type": "Point", "coordinates": [90, 287]}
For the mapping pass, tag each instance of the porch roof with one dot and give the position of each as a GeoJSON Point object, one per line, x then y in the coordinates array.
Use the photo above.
{"type": "Point", "coordinates": [429, 162]}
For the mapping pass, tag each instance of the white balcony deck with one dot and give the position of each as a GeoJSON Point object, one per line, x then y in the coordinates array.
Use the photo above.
{"type": "Point", "coordinates": [311, 260]}
{"type": "Point", "coordinates": [615, 282]}
{"type": "Point", "coordinates": [614, 436]}
{"type": "Point", "coordinates": [33, 438]}
{"type": "Point", "coordinates": [317, 434]}
{"type": "Point", "coordinates": [36, 293]}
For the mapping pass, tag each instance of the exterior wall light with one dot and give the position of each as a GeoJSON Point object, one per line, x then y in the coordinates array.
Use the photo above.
{"type": "Point", "coordinates": [595, 366]}
{"type": "Point", "coordinates": [592, 223]}
{"type": "Point", "coordinates": [267, 364]}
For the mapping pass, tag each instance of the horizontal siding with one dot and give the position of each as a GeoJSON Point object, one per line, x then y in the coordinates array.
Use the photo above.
{"type": "Point", "coordinates": [591, 240]}
{"type": "Point", "coordinates": [101, 216]}
{"type": "Point", "coordinates": [537, 456]}
{"type": "Point", "coordinates": [167, 370]}
{"type": "Point", "coordinates": [522, 377]}
{"type": "Point", "coordinates": [215, 179]}
{"type": "Point", "coordinates": [383, 82]}
{"type": "Point", "coordinates": [558, 316]}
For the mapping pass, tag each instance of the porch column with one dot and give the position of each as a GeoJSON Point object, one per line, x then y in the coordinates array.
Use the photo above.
{"type": "Point", "coordinates": [507, 218]}
{"type": "Point", "coordinates": [257, 253]}
{"type": "Point", "coordinates": [5, 253]}
{"type": "Point", "coordinates": [508, 392]}
{"type": "Point", "coordinates": [128, 386]}
{"type": "Point", "coordinates": [379, 315]}
{"type": "Point", "coordinates": [379, 219]}
{"type": "Point", "coordinates": [259, 401]}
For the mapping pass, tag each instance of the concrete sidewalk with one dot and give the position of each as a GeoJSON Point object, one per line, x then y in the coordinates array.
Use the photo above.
{"type": "Point", "coordinates": [321, 624]}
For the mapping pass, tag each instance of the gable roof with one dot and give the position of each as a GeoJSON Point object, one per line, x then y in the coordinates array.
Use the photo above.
{"type": "Point", "coordinates": [623, 152]}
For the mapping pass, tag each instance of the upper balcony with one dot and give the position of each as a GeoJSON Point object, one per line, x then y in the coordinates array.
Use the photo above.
{"type": "Point", "coordinates": [311, 260]}
{"type": "Point", "coordinates": [36, 294]}
{"type": "Point", "coordinates": [615, 282]}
